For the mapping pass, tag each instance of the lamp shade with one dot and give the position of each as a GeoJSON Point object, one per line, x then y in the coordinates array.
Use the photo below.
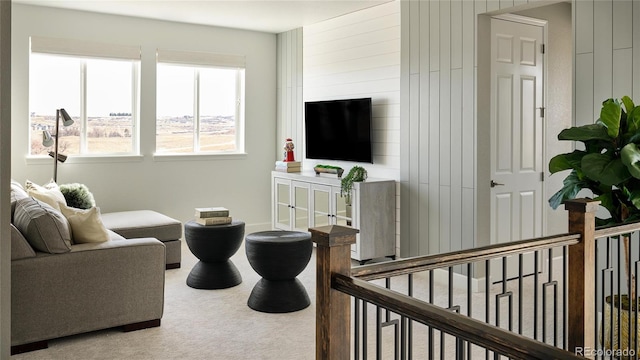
{"type": "Point", "coordinates": [66, 119]}
{"type": "Point", "coordinates": [47, 139]}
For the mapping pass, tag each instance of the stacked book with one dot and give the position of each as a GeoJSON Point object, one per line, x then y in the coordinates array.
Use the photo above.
{"type": "Point", "coordinates": [288, 166]}
{"type": "Point", "coordinates": [213, 216]}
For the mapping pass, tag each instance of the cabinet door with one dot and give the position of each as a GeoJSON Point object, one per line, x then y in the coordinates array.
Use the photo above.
{"type": "Point", "coordinates": [341, 213]}
{"type": "Point", "coordinates": [282, 206]}
{"type": "Point", "coordinates": [300, 205]}
{"type": "Point", "coordinates": [321, 205]}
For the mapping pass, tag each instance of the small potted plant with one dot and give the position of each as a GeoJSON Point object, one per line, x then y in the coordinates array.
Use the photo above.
{"type": "Point", "coordinates": [356, 174]}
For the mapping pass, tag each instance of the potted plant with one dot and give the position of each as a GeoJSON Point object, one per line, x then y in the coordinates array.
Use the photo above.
{"type": "Point", "coordinates": [356, 174]}
{"type": "Point", "coordinates": [608, 166]}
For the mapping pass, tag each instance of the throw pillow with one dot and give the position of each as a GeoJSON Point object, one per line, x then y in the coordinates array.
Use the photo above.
{"type": "Point", "coordinates": [17, 193]}
{"type": "Point", "coordinates": [86, 225]}
{"type": "Point", "coordinates": [77, 195]}
{"type": "Point", "coordinates": [20, 248]}
{"type": "Point", "coordinates": [49, 193]}
{"type": "Point", "coordinates": [45, 228]}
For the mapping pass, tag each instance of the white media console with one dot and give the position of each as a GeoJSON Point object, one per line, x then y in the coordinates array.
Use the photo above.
{"type": "Point", "coordinates": [304, 200]}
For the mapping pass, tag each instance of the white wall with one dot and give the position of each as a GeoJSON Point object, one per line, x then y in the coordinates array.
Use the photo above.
{"type": "Point", "coordinates": [173, 186]}
{"type": "Point", "coordinates": [358, 55]}
{"type": "Point", "coordinates": [354, 56]}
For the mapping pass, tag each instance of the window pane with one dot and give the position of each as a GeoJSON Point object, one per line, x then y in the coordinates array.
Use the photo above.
{"type": "Point", "coordinates": [175, 109]}
{"type": "Point", "coordinates": [109, 106]}
{"type": "Point", "coordinates": [54, 83]}
{"type": "Point", "coordinates": [218, 100]}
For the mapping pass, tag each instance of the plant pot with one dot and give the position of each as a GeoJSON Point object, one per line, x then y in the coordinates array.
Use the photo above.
{"type": "Point", "coordinates": [348, 214]}
{"type": "Point", "coordinates": [620, 348]}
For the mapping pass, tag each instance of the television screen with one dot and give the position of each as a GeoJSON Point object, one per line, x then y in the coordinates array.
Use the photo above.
{"type": "Point", "coordinates": [338, 130]}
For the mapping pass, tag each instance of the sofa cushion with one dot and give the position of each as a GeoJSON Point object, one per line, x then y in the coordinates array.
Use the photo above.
{"type": "Point", "coordinates": [49, 193]}
{"type": "Point", "coordinates": [86, 224]}
{"type": "Point", "coordinates": [45, 229]}
{"type": "Point", "coordinates": [17, 193]}
{"type": "Point", "coordinates": [20, 248]}
{"type": "Point", "coordinates": [143, 223]}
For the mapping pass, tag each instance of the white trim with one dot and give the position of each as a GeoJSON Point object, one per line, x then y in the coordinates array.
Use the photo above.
{"type": "Point", "coordinates": [521, 19]}
{"type": "Point", "coordinates": [200, 58]}
{"type": "Point", "coordinates": [84, 48]}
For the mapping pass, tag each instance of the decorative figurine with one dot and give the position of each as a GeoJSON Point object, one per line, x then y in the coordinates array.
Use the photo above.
{"type": "Point", "coordinates": [288, 150]}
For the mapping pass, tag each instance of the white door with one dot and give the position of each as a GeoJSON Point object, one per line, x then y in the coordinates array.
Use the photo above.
{"type": "Point", "coordinates": [517, 163]}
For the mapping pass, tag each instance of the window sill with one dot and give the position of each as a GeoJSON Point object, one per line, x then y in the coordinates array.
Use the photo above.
{"type": "Point", "coordinates": [86, 159]}
{"type": "Point", "coordinates": [197, 157]}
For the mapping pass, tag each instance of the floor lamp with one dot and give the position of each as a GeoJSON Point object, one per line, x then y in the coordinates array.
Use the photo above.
{"type": "Point", "coordinates": [48, 140]}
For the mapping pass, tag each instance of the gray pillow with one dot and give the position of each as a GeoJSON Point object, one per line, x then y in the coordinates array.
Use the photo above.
{"type": "Point", "coordinates": [17, 193]}
{"type": "Point", "coordinates": [45, 228]}
{"type": "Point", "coordinates": [20, 248]}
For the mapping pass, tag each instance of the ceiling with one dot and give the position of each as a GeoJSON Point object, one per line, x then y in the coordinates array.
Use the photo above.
{"type": "Point", "coordinates": [273, 16]}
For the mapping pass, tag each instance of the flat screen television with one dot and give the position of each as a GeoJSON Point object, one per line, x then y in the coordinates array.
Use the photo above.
{"type": "Point", "coordinates": [338, 130]}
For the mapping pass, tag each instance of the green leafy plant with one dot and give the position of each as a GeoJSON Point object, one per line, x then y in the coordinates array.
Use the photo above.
{"type": "Point", "coordinates": [356, 174]}
{"type": "Point", "coordinates": [77, 195]}
{"type": "Point", "coordinates": [608, 166]}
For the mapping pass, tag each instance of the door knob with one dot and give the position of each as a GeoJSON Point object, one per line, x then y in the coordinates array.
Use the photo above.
{"type": "Point", "coordinates": [494, 184]}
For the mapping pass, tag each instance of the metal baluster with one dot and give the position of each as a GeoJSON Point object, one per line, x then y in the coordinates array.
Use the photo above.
{"type": "Point", "coordinates": [356, 330]}
{"type": "Point", "coordinates": [378, 332]}
{"type": "Point", "coordinates": [469, 302]}
{"type": "Point", "coordinates": [487, 285]}
{"type": "Point", "coordinates": [535, 296]}
{"type": "Point", "coordinates": [365, 342]}
{"type": "Point", "coordinates": [410, 322]}
{"type": "Point", "coordinates": [430, 302]}
{"type": "Point", "coordinates": [520, 276]}
{"type": "Point", "coordinates": [565, 298]}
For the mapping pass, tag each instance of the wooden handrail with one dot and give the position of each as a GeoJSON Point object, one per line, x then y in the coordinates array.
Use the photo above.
{"type": "Point", "coordinates": [616, 230]}
{"type": "Point", "coordinates": [336, 281]}
{"type": "Point", "coordinates": [490, 337]}
{"type": "Point", "coordinates": [439, 261]}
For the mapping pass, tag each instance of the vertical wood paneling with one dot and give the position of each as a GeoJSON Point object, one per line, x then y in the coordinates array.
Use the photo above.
{"type": "Point", "coordinates": [289, 90]}
{"type": "Point", "coordinates": [423, 228]}
{"type": "Point", "coordinates": [445, 95]}
{"type": "Point", "coordinates": [584, 113]}
{"type": "Point", "coordinates": [468, 214]}
{"type": "Point", "coordinates": [425, 86]}
{"type": "Point", "coordinates": [434, 160]}
{"type": "Point", "coordinates": [456, 161]}
{"type": "Point", "coordinates": [468, 94]}
{"type": "Point", "coordinates": [602, 53]}
{"type": "Point", "coordinates": [408, 146]}
{"type": "Point", "coordinates": [456, 34]}
{"type": "Point", "coordinates": [623, 24]}
{"type": "Point", "coordinates": [622, 68]}
{"type": "Point", "coordinates": [445, 219]}
{"type": "Point", "coordinates": [434, 35]}
{"type": "Point", "coordinates": [583, 26]}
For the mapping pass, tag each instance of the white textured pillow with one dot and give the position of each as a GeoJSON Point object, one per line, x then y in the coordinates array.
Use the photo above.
{"type": "Point", "coordinates": [86, 225]}
{"type": "Point", "coordinates": [49, 193]}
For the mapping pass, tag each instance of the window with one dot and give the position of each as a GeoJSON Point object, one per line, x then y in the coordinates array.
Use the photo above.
{"type": "Point", "coordinates": [96, 84]}
{"type": "Point", "coordinates": [200, 102]}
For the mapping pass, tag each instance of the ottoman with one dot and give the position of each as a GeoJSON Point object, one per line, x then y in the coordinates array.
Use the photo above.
{"type": "Point", "coordinates": [214, 245]}
{"type": "Point", "coordinates": [148, 223]}
{"type": "Point", "coordinates": [278, 256]}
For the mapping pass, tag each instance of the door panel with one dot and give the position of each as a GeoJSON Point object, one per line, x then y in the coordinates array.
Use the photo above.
{"type": "Point", "coordinates": [516, 143]}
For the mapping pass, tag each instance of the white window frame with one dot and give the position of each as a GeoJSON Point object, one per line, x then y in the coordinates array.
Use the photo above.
{"type": "Point", "coordinates": [209, 61]}
{"type": "Point", "coordinates": [82, 50]}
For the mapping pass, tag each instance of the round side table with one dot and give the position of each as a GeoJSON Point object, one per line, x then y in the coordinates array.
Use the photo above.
{"type": "Point", "coordinates": [278, 256]}
{"type": "Point", "coordinates": [213, 245]}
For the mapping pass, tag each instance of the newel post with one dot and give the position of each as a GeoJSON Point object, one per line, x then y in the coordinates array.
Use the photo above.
{"type": "Point", "coordinates": [333, 308]}
{"type": "Point", "coordinates": [582, 276]}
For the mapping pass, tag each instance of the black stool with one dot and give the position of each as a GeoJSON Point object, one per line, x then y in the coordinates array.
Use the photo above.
{"type": "Point", "coordinates": [278, 256]}
{"type": "Point", "coordinates": [214, 245]}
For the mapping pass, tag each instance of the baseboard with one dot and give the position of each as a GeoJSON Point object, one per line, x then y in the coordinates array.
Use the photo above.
{"type": "Point", "coordinates": [459, 280]}
{"type": "Point", "coordinates": [38, 345]}
{"type": "Point", "coordinates": [141, 325]}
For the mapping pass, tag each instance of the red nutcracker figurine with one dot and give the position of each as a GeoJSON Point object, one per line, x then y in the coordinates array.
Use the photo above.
{"type": "Point", "coordinates": [288, 150]}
